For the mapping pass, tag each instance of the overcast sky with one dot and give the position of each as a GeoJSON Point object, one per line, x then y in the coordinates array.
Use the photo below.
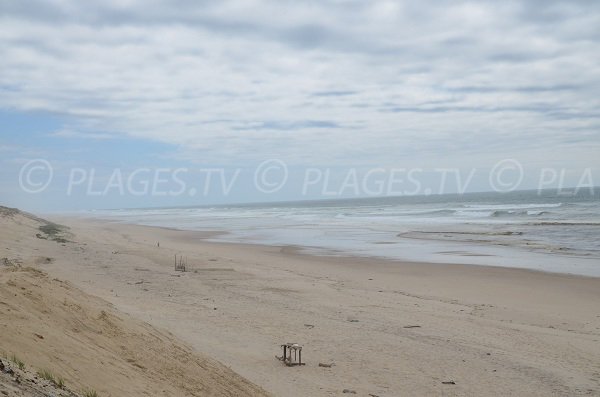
{"type": "Point", "coordinates": [313, 83]}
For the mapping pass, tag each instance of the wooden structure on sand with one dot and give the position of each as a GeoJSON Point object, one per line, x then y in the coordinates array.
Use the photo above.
{"type": "Point", "coordinates": [180, 266]}
{"type": "Point", "coordinates": [292, 354]}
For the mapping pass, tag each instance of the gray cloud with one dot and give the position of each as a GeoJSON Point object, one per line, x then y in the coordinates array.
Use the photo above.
{"type": "Point", "coordinates": [333, 93]}
{"type": "Point", "coordinates": [226, 78]}
{"type": "Point", "coordinates": [289, 126]}
{"type": "Point", "coordinates": [532, 89]}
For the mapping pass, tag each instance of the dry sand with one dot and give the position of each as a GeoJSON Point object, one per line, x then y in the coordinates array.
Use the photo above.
{"type": "Point", "coordinates": [389, 328]}
{"type": "Point", "coordinates": [50, 325]}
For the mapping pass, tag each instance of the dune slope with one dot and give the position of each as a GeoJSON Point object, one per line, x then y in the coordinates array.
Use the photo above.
{"type": "Point", "coordinates": [51, 325]}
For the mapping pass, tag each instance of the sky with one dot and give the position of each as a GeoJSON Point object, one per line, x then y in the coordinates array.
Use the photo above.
{"type": "Point", "coordinates": [288, 87]}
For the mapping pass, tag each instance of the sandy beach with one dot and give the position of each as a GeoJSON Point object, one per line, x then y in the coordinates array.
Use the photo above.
{"type": "Point", "coordinates": [58, 340]}
{"type": "Point", "coordinates": [406, 194]}
{"type": "Point", "coordinates": [387, 328]}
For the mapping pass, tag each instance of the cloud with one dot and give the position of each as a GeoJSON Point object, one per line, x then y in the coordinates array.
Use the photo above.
{"type": "Point", "coordinates": [355, 81]}
{"type": "Point", "coordinates": [82, 135]}
{"type": "Point", "coordinates": [289, 126]}
{"type": "Point", "coordinates": [333, 93]}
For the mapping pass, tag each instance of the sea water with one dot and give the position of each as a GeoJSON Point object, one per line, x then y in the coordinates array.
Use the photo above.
{"type": "Point", "coordinates": [547, 230]}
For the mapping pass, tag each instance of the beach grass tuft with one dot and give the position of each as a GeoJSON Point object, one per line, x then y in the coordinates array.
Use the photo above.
{"type": "Point", "coordinates": [53, 231]}
{"type": "Point", "coordinates": [17, 362]}
{"type": "Point", "coordinates": [89, 393]}
{"type": "Point", "coordinates": [45, 374]}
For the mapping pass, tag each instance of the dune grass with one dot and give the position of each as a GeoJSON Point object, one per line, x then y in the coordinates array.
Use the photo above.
{"type": "Point", "coordinates": [89, 393]}
{"type": "Point", "coordinates": [17, 362]}
{"type": "Point", "coordinates": [49, 376]}
{"type": "Point", "coordinates": [45, 374]}
{"type": "Point", "coordinates": [53, 232]}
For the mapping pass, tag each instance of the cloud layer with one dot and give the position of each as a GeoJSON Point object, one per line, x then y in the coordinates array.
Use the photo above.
{"type": "Point", "coordinates": [313, 82]}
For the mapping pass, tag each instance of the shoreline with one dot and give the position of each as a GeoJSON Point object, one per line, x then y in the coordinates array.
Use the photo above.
{"type": "Point", "coordinates": [388, 327]}
{"type": "Point", "coordinates": [518, 230]}
{"type": "Point", "coordinates": [323, 253]}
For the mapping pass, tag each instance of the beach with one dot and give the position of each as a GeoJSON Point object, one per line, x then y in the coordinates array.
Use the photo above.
{"type": "Point", "coordinates": [299, 198]}
{"type": "Point", "coordinates": [387, 328]}
{"type": "Point", "coordinates": [536, 230]}
{"type": "Point", "coordinates": [59, 340]}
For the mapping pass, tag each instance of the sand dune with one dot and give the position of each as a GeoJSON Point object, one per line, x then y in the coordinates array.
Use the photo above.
{"type": "Point", "coordinates": [51, 325]}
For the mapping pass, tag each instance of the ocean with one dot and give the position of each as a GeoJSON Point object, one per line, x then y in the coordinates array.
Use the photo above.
{"type": "Point", "coordinates": [548, 230]}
